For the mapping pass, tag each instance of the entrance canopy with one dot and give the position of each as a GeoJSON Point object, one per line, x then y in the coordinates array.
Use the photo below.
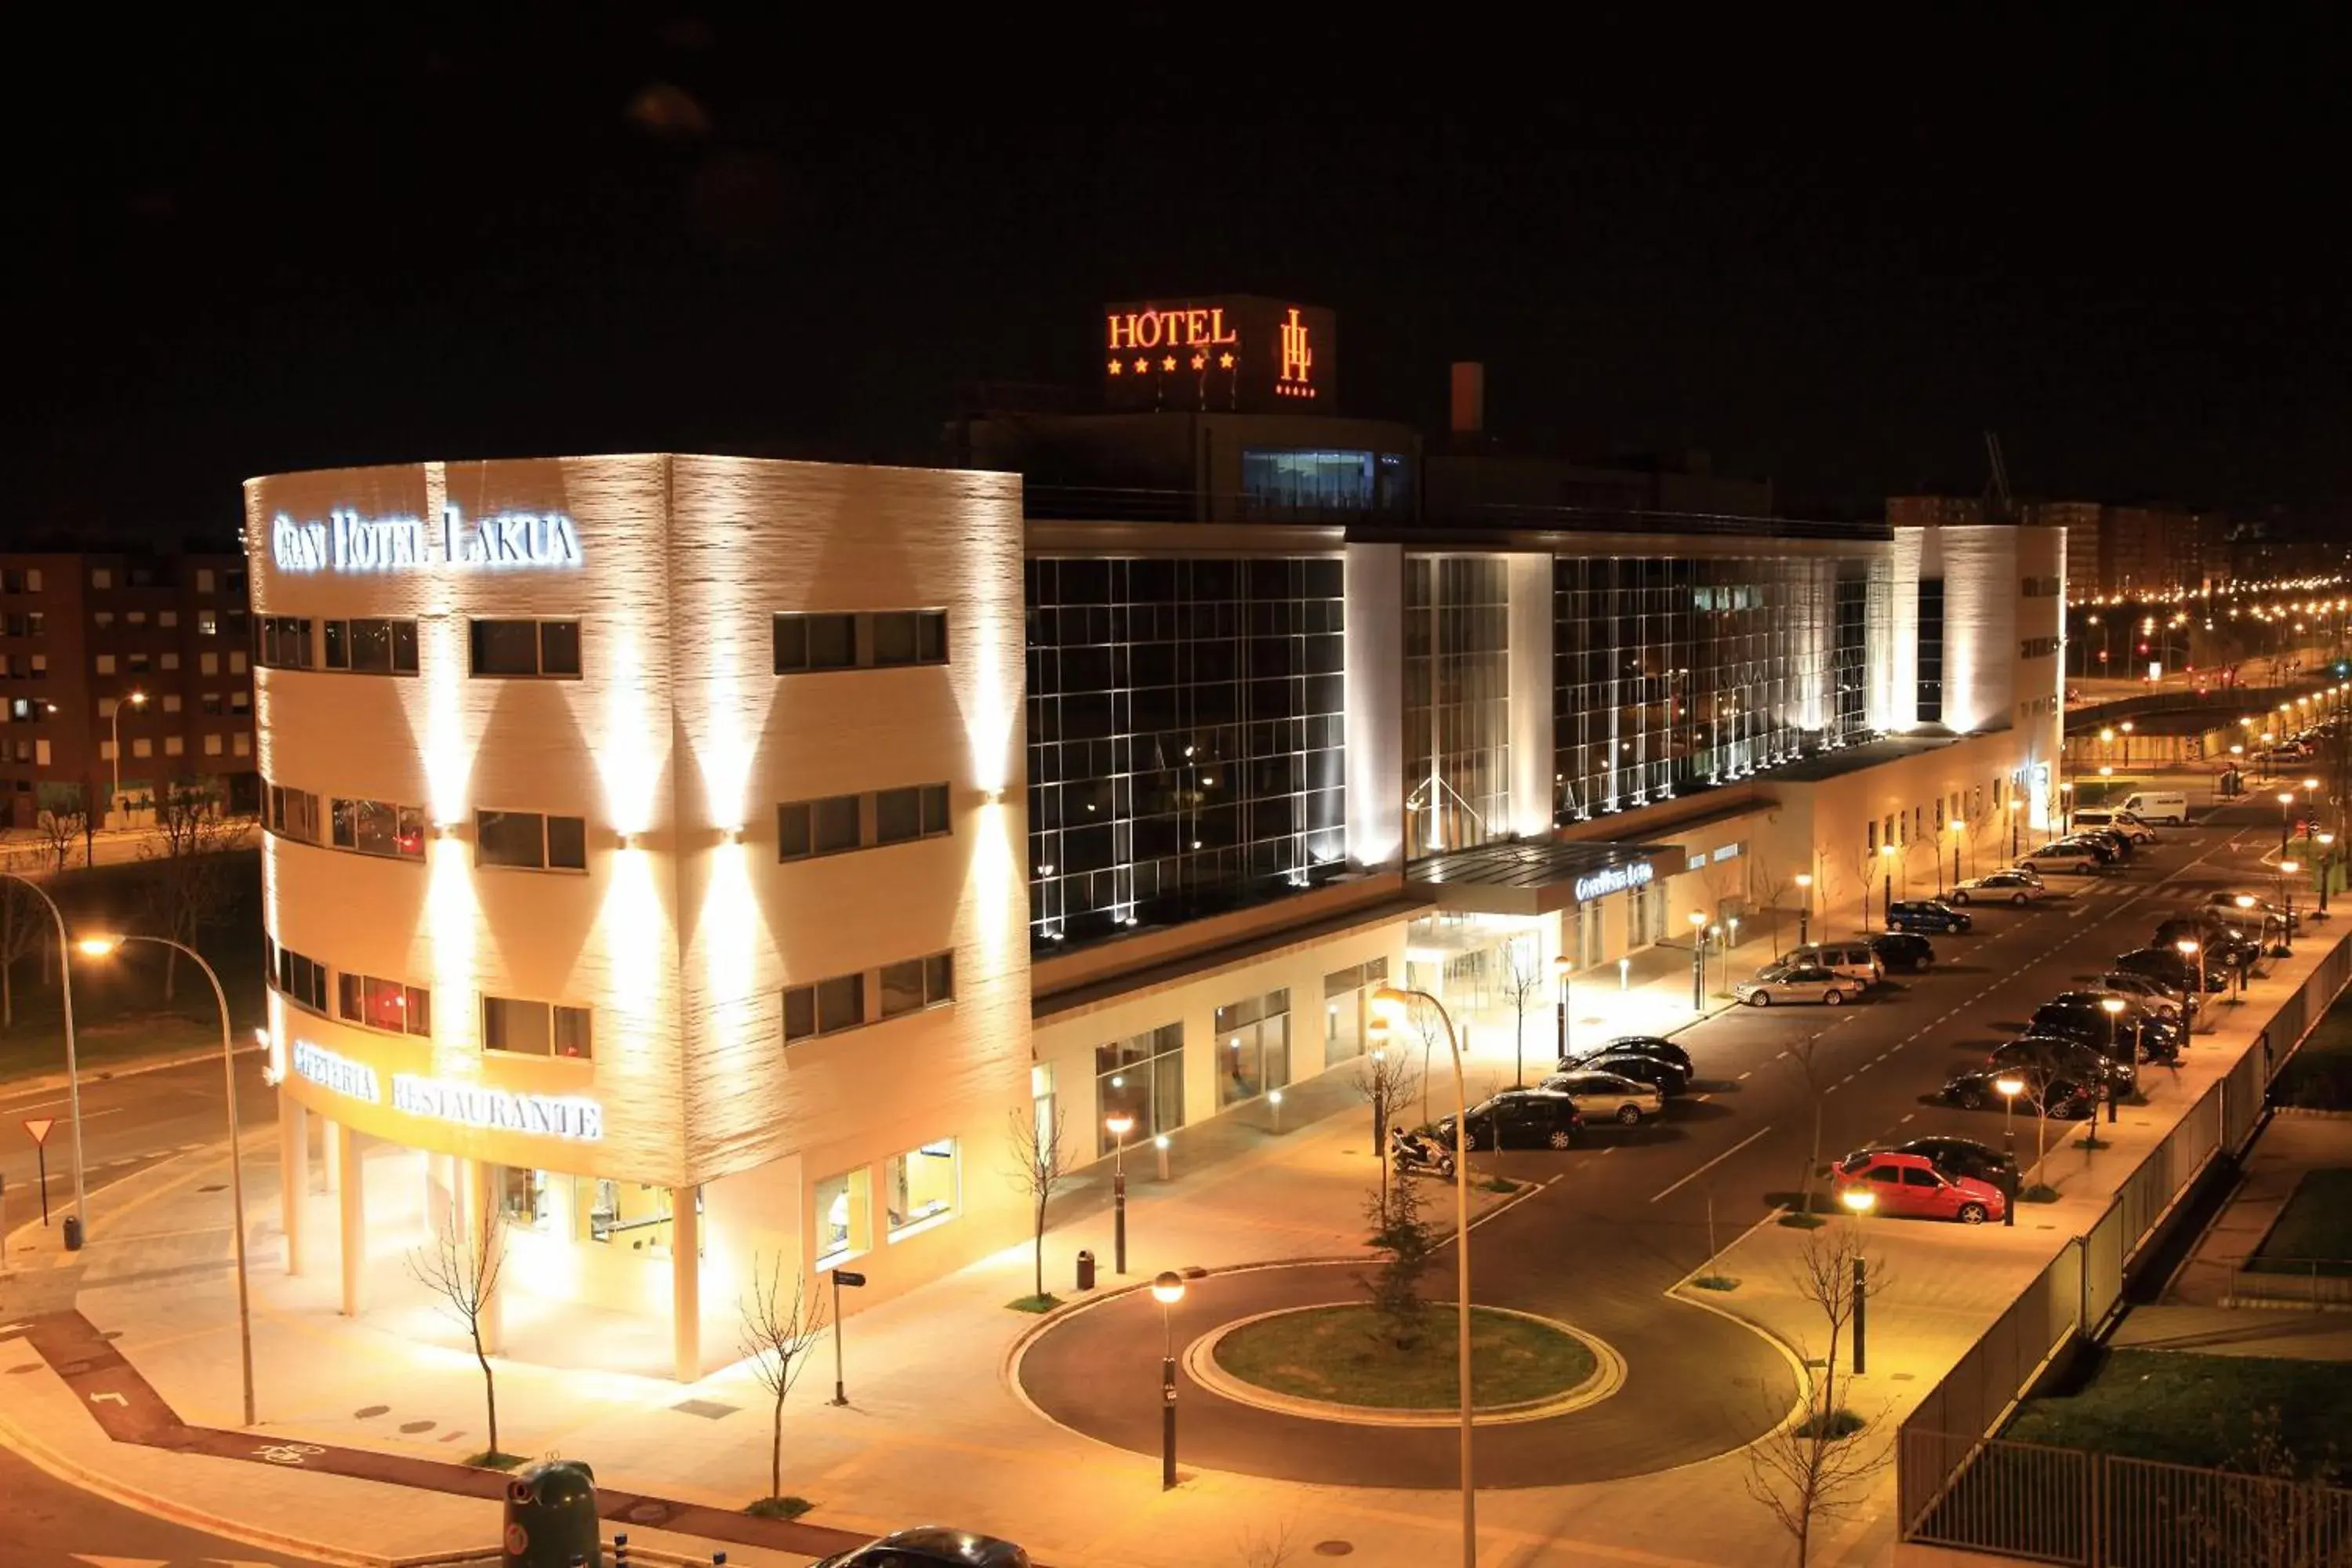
{"type": "Point", "coordinates": [1539, 876]}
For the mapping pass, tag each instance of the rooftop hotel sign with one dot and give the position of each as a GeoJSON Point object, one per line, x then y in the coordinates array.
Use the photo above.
{"type": "Point", "coordinates": [574, 1117]}
{"type": "Point", "coordinates": [349, 541]}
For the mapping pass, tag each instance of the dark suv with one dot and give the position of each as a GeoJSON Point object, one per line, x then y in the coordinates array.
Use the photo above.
{"type": "Point", "coordinates": [1931, 915]}
{"type": "Point", "coordinates": [2077, 1016]}
{"type": "Point", "coordinates": [2167, 968]}
{"type": "Point", "coordinates": [2067, 1059]}
{"type": "Point", "coordinates": [1520, 1119]}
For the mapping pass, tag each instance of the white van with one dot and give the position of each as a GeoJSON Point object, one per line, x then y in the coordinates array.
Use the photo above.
{"type": "Point", "coordinates": [2158, 806]}
{"type": "Point", "coordinates": [1854, 958]}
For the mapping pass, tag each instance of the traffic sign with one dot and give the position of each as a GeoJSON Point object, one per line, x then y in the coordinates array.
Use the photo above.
{"type": "Point", "coordinates": [39, 1126]}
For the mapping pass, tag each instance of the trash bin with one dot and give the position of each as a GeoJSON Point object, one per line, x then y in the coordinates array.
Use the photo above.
{"type": "Point", "coordinates": [1086, 1271]}
{"type": "Point", "coordinates": [73, 1233]}
{"type": "Point", "coordinates": [550, 1518]}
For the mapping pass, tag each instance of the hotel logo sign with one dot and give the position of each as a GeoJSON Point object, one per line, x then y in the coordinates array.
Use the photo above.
{"type": "Point", "coordinates": [348, 542]}
{"type": "Point", "coordinates": [1231, 354]}
{"type": "Point", "coordinates": [1297, 359]}
{"type": "Point", "coordinates": [1614, 879]}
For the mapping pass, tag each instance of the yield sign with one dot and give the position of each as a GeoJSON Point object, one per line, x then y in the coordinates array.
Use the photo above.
{"type": "Point", "coordinates": [39, 1126]}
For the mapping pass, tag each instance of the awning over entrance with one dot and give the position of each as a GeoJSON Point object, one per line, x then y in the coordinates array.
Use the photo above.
{"type": "Point", "coordinates": [1538, 877]}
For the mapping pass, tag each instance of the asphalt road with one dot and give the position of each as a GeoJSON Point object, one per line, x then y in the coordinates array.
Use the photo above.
{"type": "Point", "coordinates": [1636, 1209]}
{"type": "Point", "coordinates": [49, 1523]}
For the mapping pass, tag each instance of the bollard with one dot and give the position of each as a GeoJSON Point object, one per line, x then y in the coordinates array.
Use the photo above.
{"type": "Point", "coordinates": [620, 1552]}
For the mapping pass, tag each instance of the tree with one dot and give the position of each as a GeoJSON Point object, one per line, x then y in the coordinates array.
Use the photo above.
{"type": "Point", "coordinates": [192, 885]}
{"type": "Point", "coordinates": [1811, 1469]}
{"type": "Point", "coordinates": [1038, 1172]}
{"type": "Point", "coordinates": [461, 1266]}
{"type": "Point", "coordinates": [778, 1334]}
{"type": "Point", "coordinates": [1430, 1026]}
{"type": "Point", "coordinates": [1771, 882]}
{"type": "Point", "coordinates": [61, 827]}
{"type": "Point", "coordinates": [1403, 1239]}
{"type": "Point", "coordinates": [1869, 863]}
{"type": "Point", "coordinates": [1806, 1054]}
{"type": "Point", "coordinates": [1523, 979]}
{"type": "Point", "coordinates": [1385, 1081]}
{"type": "Point", "coordinates": [24, 927]}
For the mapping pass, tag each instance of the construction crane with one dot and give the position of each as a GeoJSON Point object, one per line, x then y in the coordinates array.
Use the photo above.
{"type": "Point", "coordinates": [1998, 505]}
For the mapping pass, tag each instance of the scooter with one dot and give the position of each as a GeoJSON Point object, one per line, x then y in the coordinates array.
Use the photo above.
{"type": "Point", "coordinates": [1411, 1154]}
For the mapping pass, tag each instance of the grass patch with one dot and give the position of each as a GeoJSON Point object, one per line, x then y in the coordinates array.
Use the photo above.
{"type": "Point", "coordinates": [2316, 1224]}
{"type": "Point", "coordinates": [1716, 1282]}
{"type": "Point", "coordinates": [1338, 1353]}
{"type": "Point", "coordinates": [2318, 1076]}
{"type": "Point", "coordinates": [1803, 1221]}
{"type": "Point", "coordinates": [1498, 1184]}
{"type": "Point", "coordinates": [780, 1508]}
{"type": "Point", "coordinates": [2039, 1193]}
{"type": "Point", "coordinates": [1835, 1424]}
{"type": "Point", "coordinates": [492, 1459]}
{"type": "Point", "coordinates": [2188, 1409]}
{"type": "Point", "coordinates": [1040, 1304]}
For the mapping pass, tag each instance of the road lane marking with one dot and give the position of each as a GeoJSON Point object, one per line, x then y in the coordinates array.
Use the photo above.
{"type": "Point", "coordinates": [1719, 1160]}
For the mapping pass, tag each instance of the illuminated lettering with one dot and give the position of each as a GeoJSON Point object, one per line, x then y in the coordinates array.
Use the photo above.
{"type": "Point", "coordinates": [1202, 327]}
{"type": "Point", "coordinates": [1297, 357]}
{"type": "Point", "coordinates": [1614, 879]}
{"type": "Point", "coordinates": [340, 1074]}
{"type": "Point", "coordinates": [572, 1117]}
{"type": "Point", "coordinates": [349, 542]}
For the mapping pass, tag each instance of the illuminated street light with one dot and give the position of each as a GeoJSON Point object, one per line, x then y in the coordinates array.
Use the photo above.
{"type": "Point", "coordinates": [1168, 1289]}
{"type": "Point", "coordinates": [1119, 1124]}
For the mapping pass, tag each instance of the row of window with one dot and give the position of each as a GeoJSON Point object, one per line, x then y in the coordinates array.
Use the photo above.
{"type": "Point", "coordinates": [239, 702]}
{"type": "Point", "coordinates": [838, 824]}
{"type": "Point", "coordinates": [143, 663]}
{"type": "Point", "coordinates": [919, 1185]}
{"type": "Point", "coordinates": [2039, 647]}
{"type": "Point", "coordinates": [208, 621]}
{"type": "Point", "coordinates": [851, 1001]}
{"type": "Point", "coordinates": [2048, 587]}
{"type": "Point", "coordinates": [512, 1025]}
{"type": "Point", "coordinates": [868, 639]}
{"type": "Point", "coordinates": [525, 840]}
{"type": "Point", "coordinates": [239, 744]}
{"type": "Point", "coordinates": [28, 580]}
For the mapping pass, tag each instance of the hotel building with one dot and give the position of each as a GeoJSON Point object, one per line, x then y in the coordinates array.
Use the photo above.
{"type": "Point", "coordinates": [707, 863]}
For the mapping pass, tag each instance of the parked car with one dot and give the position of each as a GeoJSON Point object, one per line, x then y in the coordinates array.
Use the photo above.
{"type": "Point", "coordinates": [1798, 982]}
{"type": "Point", "coordinates": [2223, 943]}
{"type": "Point", "coordinates": [1932, 915]}
{"type": "Point", "coordinates": [2111, 850]}
{"type": "Point", "coordinates": [1901, 949]}
{"type": "Point", "coordinates": [2075, 858]}
{"type": "Point", "coordinates": [2077, 1016]}
{"type": "Point", "coordinates": [2083, 1061]}
{"type": "Point", "coordinates": [2167, 968]}
{"type": "Point", "coordinates": [2066, 1099]}
{"type": "Point", "coordinates": [1665, 1076]}
{"type": "Point", "coordinates": [2116, 818]}
{"type": "Point", "coordinates": [2013, 885]}
{"type": "Point", "coordinates": [2115, 840]}
{"type": "Point", "coordinates": [1518, 1119]}
{"type": "Point", "coordinates": [1963, 1157]}
{"type": "Point", "coordinates": [1640, 1045]}
{"type": "Point", "coordinates": [2251, 915]}
{"type": "Point", "coordinates": [1909, 1186]}
{"type": "Point", "coordinates": [1851, 957]}
{"type": "Point", "coordinates": [2152, 995]}
{"type": "Point", "coordinates": [1608, 1095]}
{"type": "Point", "coordinates": [2159, 807]}
{"type": "Point", "coordinates": [927, 1544]}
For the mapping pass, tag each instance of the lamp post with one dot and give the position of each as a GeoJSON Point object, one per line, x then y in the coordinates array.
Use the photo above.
{"type": "Point", "coordinates": [2287, 868]}
{"type": "Point", "coordinates": [1699, 961]}
{"type": "Point", "coordinates": [2286, 811]}
{"type": "Point", "coordinates": [2111, 1006]}
{"type": "Point", "coordinates": [102, 947]}
{"type": "Point", "coordinates": [1957, 825]}
{"type": "Point", "coordinates": [136, 699]}
{"type": "Point", "coordinates": [1168, 1289]}
{"type": "Point", "coordinates": [1861, 1200]}
{"type": "Point", "coordinates": [2010, 1087]}
{"type": "Point", "coordinates": [2193, 951]}
{"type": "Point", "coordinates": [1562, 967]}
{"type": "Point", "coordinates": [2012, 825]}
{"type": "Point", "coordinates": [2245, 902]}
{"type": "Point", "coordinates": [2067, 806]}
{"type": "Point", "coordinates": [2126, 728]}
{"type": "Point", "coordinates": [1119, 1125]}
{"type": "Point", "coordinates": [73, 1065]}
{"type": "Point", "coordinates": [1885, 890]}
{"type": "Point", "coordinates": [2327, 872]}
{"type": "Point", "coordinates": [1805, 909]}
{"type": "Point", "coordinates": [1389, 1004]}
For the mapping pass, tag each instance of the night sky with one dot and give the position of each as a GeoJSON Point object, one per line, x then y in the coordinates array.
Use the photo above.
{"type": "Point", "coordinates": [265, 245]}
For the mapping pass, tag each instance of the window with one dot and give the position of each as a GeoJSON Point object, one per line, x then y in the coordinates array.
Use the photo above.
{"type": "Point", "coordinates": [209, 663]}
{"type": "Point", "coordinates": [839, 823]}
{"type": "Point", "coordinates": [101, 577]}
{"type": "Point", "coordinates": [284, 643]}
{"type": "Point", "coordinates": [1140, 1077]}
{"type": "Point", "coordinates": [212, 745]}
{"type": "Point", "coordinates": [1254, 1041]}
{"type": "Point", "coordinates": [135, 618]}
{"type": "Point", "coordinates": [209, 703]}
{"type": "Point", "coordinates": [918, 811]}
{"type": "Point", "coordinates": [372, 647]}
{"type": "Point", "coordinates": [844, 1217]}
{"type": "Point", "coordinates": [241, 743]}
{"type": "Point", "coordinates": [522, 1197]}
{"type": "Point", "coordinates": [810, 827]}
{"type": "Point", "coordinates": [239, 701]}
{"type": "Point", "coordinates": [207, 624]}
{"type": "Point", "coordinates": [535, 1028]}
{"type": "Point", "coordinates": [204, 579]}
{"type": "Point", "coordinates": [868, 640]}
{"type": "Point", "coordinates": [2038, 648]}
{"type": "Point", "coordinates": [167, 661]}
{"type": "Point", "coordinates": [294, 813]}
{"type": "Point", "coordinates": [530, 840]}
{"type": "Point", "coordinates": [302, 981]}
{"type": "Point", "coordinates": [543, 648]}
{"type": "Point", "coordinates": [137, 663]}
{"type": "Point", "coordinates": [384, 1004]}
{"type": "Point", "coordinates": [379, 827]}
{"type": "Point", "coordinates": [14, 581]}
{"type": "Point", "coordinates": [922, 1184]}
{"type": "Point", "coordinates": [144, 747]}
{"type": "Point", "coordinates": [173, 745]}
{"type": "Point", "coordinates": [103, 619]}
{"type": "Point", "coordinates": [167, 617]}
{"type": "Point", "coordinates": [916, 983]}
{"type": "Point", "coordinates": [25, 625]}
{"type": "Point", "coordinates": [106, 664]}
{"type": "Point", "coordinates": [236, 663]}
{"type": "Point", "coordinates": [1306, 483]}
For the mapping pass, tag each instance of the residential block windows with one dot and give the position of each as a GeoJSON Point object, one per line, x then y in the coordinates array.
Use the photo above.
{"type": "Point", "coordinates": [284, 643]}
{"type": "Point", "coordinates": [302, 981]}
{"type": "Point", "coordinates": [837, 824]}
{"type": "Point", "coordinates": [379, 827]}
{"type": "Point", "coordinates": [530, 840]}
{"type": "Point", "coordinates": [866, 639]}
{"type": "Point", "coordinates": [535, 1028]}
{"type": "Point", "coordinates": [384, 1004]}
{"type": "Point", "coordinates": [372, 647]}
{"type": "Point", "coordinates": [548, 650]}
{"type": "Point", "coordinates": [829, 1006]}
{"type": "Point", "coordinates": [28, 624]}
{"type": "Point", "coordinates": [916, 983]}
{"type": "Point", "coordinates": [825, 1007]}
{"type": "Point", "coordinates": [294, 814]}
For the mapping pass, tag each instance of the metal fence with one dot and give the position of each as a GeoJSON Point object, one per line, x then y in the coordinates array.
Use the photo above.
{"type": "Point", "coordinates": [2293, 1282]}
{"type": "Point", "coordinates": [2102, 1511]}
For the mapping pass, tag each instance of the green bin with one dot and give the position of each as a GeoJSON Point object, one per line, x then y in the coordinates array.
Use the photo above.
{"type": "Point", "coordinates": [551, 1517]}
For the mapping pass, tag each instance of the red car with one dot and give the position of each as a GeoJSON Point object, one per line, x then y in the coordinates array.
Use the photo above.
{"type": "Point", "coordinates": [1909, 1185]}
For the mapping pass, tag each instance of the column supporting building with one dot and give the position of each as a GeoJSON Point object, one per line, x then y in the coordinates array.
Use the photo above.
{"type": "Point", "coordinates": [353, 1208]}
{"type": "Point", "coordinates": [686, 1283]}
{"type": "Point", "coordinates": [294, 1181]}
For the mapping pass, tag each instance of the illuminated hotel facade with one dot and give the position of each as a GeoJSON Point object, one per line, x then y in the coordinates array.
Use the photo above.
{"type": "Point", "coordinates": [706, 863]}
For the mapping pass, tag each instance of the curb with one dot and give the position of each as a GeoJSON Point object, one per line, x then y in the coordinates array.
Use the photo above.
{"type": "Point", "coordinates": [11, 1088]}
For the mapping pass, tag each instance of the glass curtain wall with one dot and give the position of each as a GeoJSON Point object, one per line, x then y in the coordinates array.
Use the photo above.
{"type": "Point", "coordinates": [1675, 672]}
{"type": "Point", "coordinates": [1457, 706]}
{"type": "Point", "coordinates": [1186, 738]}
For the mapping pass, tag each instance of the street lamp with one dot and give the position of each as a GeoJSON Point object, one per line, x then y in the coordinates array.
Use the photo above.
{"type": "Point", "coordinates": [1389, 1004]}
{"type": "Point", "coordinates": [2327, 865]}
{"type": "Point", "coordinates": [2012, 825]}
{"type": "Point", "coordinates": [2194, 950]}
{"type": "Point", "coordinates": [1168, 1289]}
{"type": "Point", "coordinates": [1804, 910]}
{"type": "Point", "coordinates": [2126, 728]}
{"type": "Point", "coordinates": [2067, 806]}
{"type": "Point", "coordinates": [2010, 1087]}
{"type": "Point", "coordinates": [1699, 961]}
{"type": "Point", "coordinates": [1861, 1200]}
{"type": "Point", "coordinates": [1885, 889]}
{"type": "Point", "coordinates": [136, 699]}
{"type": "Point", "coordinates": [2111, 1006]}
{"type": "Point", "coordinates": [1561, 967]}
{"type": "Point", "coordinates": [104, 946]}
{"type": "Point", "coordinates": [73, 1066]}
{"type": "Point", "coordinates": [1957, 825]}
{"type": "Point", "coordinates": [1119, 1125]}
{"type": "Point", "coordinates": [2287, 868]}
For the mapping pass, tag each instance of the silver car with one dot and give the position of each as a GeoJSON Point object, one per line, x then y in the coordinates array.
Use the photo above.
{"type": "Point", "coordinates": [1797, 983]}
{"type": "Point", "coordinates": [2013, 886]}
{"type": "Point", "coordinates": [1600, 1094]}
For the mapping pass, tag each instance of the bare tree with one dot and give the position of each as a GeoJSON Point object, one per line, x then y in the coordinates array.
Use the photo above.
{"type": "Point", "coordinates": [23, 928]}
{"type": "Point", "coordinates": [61, 827]}
{"type": "Point", "coordinates": [1771, 882]}
{"type": "Point", "coordinates": [191, 885]}
{"type": "Point", "coordinates": [1812, 1469]}
{"type": "Point", "coordinates": [1269, 1548]}
{"type": "Point", "coordinates": [1431, 1029]}
{"type": "Point", "coordinates": [1870, 863]}
{"type": "Point", "coordinates": [461, 1266]}
{"type": "Point", "coordinates": [778, 1334]}
{"type": "Point", "coordinates": [1523, 979]}
{"type": "Point", "coordinates": [1806, 1053]}
{"type": "Point", "coordinates": [1038, 1170]}
{"type": "Point", "coordinates": [1384, 1080]}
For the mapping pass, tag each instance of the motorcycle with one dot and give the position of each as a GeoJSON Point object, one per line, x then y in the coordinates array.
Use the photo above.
{"type": "Point", "coordinates": [1410, 1153]}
